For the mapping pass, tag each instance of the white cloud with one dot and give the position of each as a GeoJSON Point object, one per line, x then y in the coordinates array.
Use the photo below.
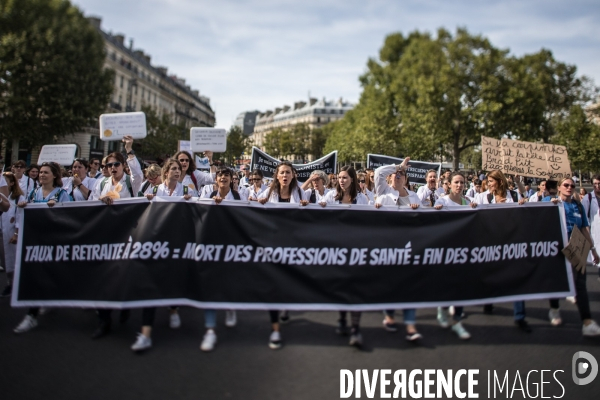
{"type": "Point", "coordinates": [263, 54]}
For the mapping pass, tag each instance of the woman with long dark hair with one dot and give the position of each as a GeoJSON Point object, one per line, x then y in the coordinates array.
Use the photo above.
{"type": "Point", "coordinates": [50, 192]}
{"type": "Point", "coordinates": [498, 193]}
{"type": "Point", "coordinates": [191, 177]}
{"type": "Point", "coordinates": [347, 192]}
{"type": "Point", "coordinates": [283, 189]}
{"type": "Point", "coordinates": [79, 185]}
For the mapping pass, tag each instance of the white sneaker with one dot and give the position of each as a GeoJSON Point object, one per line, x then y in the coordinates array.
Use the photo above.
{"type": "Point", "coordinates": [571, 299]}
{"type": "Point", "coordinates": [460, 331]}
{"type": "Point", "coordinates": [442, 317]}
{"type": "Point", "coordinates": [554, 317]}
{"type": "Point", "coordinates": [174, 321]}
{"type": "Point", "coordinates": [209, 341]}
{"type": "Point", "coordinates": [591, 330]}
{"type": "Point", "coordinates": [43, 311]}
{"type": "Point", "coordinates": [142, 343]}
{"type": "Point", "coordinates": [28, 323]}
{"type": "Point", "coordinates": [275, 340]}
{"type": "Point", "coordinates": [230, 318]}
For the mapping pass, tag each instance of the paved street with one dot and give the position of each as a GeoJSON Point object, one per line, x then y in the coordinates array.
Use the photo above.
{"type": "Point", "coordinates": [58, 360]}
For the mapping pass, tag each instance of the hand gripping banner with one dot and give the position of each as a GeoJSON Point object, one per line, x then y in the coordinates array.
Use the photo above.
{"type": "Point", "coordinates": [251, 256]}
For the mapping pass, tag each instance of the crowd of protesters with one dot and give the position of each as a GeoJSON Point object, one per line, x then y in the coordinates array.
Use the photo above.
{"type": "Point", "coordinates": [118, 176]}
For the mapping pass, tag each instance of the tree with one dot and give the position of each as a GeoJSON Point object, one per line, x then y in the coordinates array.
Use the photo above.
{"type": "Point", "coordinates": [237, 143]}
{"type": "Point", "coordinates": [581, 137]}
{"type": "Point", "coordinates": [429, 97]}
{"type": "Point", "coordinates": [163, 135]}
{"type": "Point", "coordinates": [52, 79]}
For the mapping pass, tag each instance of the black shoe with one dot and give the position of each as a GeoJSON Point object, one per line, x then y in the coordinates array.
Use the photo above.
{"type": "Point", "coordinates": [7, 291]}
{"type": "Point", "coordinates": [523, 325]}
{"type": "Point", "coordinates": [103, 330]}
{"type": "Point", "coordinates": [488, 309]}
{"type": "Point", "coordinates": [284, 317]}
{"type": "Point", "coordinates": [124, 316]}
{"type": "Point", "coordinates": [342, 328]}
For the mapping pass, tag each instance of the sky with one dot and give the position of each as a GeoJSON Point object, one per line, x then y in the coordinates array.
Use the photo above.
{"type": "Point", "coordinates": [258, 55]}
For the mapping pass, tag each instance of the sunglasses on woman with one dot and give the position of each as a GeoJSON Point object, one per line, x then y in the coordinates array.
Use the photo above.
{"type": "Point", "coordinates": [113, 164]}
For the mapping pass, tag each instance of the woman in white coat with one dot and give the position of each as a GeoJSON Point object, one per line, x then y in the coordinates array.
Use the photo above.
{"type": "Point", "coordinates": [283, 189]}
{"type": "Point", "coordinates": [191, 177]}
{"type": "Point", "coordinates": [10, 228]}
{"type": "Point", "coordinates": [80, 185]}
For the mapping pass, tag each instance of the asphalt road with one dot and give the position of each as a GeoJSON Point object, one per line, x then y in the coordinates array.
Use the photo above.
{"type": "Point", "coordinates": [58, 360]}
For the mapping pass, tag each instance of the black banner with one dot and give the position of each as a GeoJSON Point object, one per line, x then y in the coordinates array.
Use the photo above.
{"type": "Point", "coordinates": [417, 170]}
{"type": "Point", "coordinates": [267, 164]}
{"type": "Point", "coordinates": [134, 254]}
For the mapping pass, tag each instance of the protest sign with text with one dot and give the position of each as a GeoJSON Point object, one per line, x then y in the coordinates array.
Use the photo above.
{"type": "Point", "coordinates": [417, 170]}
{"type": "Point", "coordinates": [118, 125]}
{"type": "Point", "coordinates": [267, 164]}
{"type": "Point", "coordinates": [63, 154]}
{"type": "Point", "coordinates": [208, 139]}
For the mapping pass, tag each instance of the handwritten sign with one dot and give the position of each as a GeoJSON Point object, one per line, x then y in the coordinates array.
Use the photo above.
{"type": "Point", "coordinates": [577, 250]}
{"type": "Point", "coordinates": [208, 139]}
{"type": "Point", "coordinates": [184, 145]}
{"type": "Point", "coordinates": [63, 154]}
{"type": "Point", "coordinates": [537, 160]}
{"type": "Point", "coordinates": [116, 126]}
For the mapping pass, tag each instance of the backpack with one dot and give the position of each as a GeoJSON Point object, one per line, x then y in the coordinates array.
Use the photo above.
{"type": "Point", "coordinates": [144, 188]}
{"type": "Point", "coordinates": [234, 193]}
{"type": "Point", "coordinates": [513, 194]}
{"type": "Point", "coordinates": [127, 182]}
{"type": "Point", "coordinates": [313, 197]}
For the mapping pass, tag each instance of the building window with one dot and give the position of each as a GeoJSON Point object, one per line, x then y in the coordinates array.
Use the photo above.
{"type": "Point", "coordinates": [120, 99]}
{"type": "Point", "coordinates": [121, 83]}
{"type": "Point", "coordinates": [143, 89]}
{"type": "Point", "coordinates": [148, 95]}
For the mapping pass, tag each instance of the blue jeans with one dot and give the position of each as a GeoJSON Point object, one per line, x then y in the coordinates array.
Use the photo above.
{"type": "Point", "coordinates": [519, 310]}
{"type": "Point", "coordinates": [210, 318]}
{"type": "Point", "coordinates": [410, 315]}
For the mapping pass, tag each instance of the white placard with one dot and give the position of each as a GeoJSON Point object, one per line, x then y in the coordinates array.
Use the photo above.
{"type": "Point", "coordinates": [202, 163]}
{"type": "Point", "coordinates": [63, 154]}
{"type": "Point", "coordinates": [184, 145]}
{"type": "Point", "coordinates": [116, 126]}
{"type": "Point", "coordinates": [208, 139]}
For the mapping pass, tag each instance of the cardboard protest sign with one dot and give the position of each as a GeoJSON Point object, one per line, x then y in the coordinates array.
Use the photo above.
{"type": "Point", "coordinates": [115, 126]}
{"type": "Point", "coordinates": [63, 154]}
{"type": "Point", "coordinates": [536, 160]}
{"type": "Point", "coordinates": [577, 250]}
{"type": "Point", "coordinates": [208, 139]}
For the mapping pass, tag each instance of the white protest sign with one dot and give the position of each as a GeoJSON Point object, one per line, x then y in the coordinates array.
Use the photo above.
{"type": "Point", "coordinates": [208, 139]}
{"type": "Point", "coordinates": [184, 145]}
{"type": "Point", "coordinates": [63, 154]}
{"type": "Point", "coordinates": [116, 126]}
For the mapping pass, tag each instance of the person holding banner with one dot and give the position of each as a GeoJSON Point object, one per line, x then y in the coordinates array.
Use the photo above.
{"type": "Point", "coordinates": [191, 177]}
{"type": "Point", "coordinates": [575, 215]}
{"type": "Point", "coordinates": [171, 185]}
{"type": "Point", "coordinates": [257, 187]}
{"type": "Point", "coordinates": [80, 185]}
{"type": "Point", "coordinates": [224, 191]}
{"type": "Point", "coordinates": [318, 180]}
{"type": "Point", "coordinates": [429, 193]}
{"type": "Point", "coordinates": [50, 192]}
{"type": "Point", "coordinates": [454, 198]}
{"type": "Point", "coordinates": [347, 192]}
{"type": "Point", "coordinates": [119, 185]}
{"type": "Point", "coordinates": [497, 193]}
{"type": "Point", "coordinates": [283, 189]}
{"type": "Point", "coordinates": [396, 193]}
{"type": "Point", "coordinates": [153, 179]}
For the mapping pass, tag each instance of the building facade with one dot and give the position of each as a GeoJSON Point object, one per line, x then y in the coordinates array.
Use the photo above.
{"type": "Point", "coordinates": [137, 83]}
{"type": "Point", "coordinates": [314, 113]}
{"type": "Point", "coordinates": [246, 121]}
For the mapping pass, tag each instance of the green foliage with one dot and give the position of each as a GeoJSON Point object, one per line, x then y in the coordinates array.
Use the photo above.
{"type": "Point", "coordinates": [163, 135]}
{"type": "Point", "coordinates": [581, 137]}
{"type": "Point", "coordinates": [51, 70]}
{"type": "Point", "coordinates": [429, 97]}
{"type": "Point", "coordinates": [299, 141]}
{"type": "Point", "coordinates": [237, 144]}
